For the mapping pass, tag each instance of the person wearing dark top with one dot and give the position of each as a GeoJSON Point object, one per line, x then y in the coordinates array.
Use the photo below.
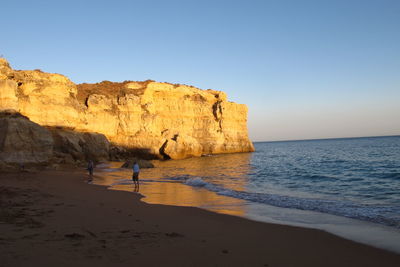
{"type": "Point", "coordinates": [90, 168]}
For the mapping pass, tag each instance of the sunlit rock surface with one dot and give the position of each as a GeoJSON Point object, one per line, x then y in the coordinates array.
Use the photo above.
{"type": "Point", "coordinates": [159, 120]}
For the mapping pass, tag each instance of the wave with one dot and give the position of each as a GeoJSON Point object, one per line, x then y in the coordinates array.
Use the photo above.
{"type": "Point", "coordinates": [387, 215]}
{"type": "Point", "coordinates": [196, 182]}
{"type": "Point", "coordinates": [390, 175]}
{"type": "Point", "coordinates": [129, 181]}
{"type": "Point", "coordinates": [111, 170]}
{"type": "Point", "coordinates": [314, 177]}
{"type": "Point", "coordinates": [103, 165]}
{"type": "Point", "coordinates": [122, 182]}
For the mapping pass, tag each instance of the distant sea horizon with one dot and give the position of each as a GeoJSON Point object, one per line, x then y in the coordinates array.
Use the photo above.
{"type": "Point", "coordinates": [325, 138]}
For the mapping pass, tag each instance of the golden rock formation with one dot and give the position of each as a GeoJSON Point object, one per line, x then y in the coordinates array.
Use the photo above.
{"type": "Point", "coordinates": [159, 119]}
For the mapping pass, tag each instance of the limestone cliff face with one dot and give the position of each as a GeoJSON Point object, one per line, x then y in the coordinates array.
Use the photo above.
{"type": "Point", "coordinates": [25, 143]}
{"type": "Point", "coordinates": [22, 141]}
{"type": "Point", "coordinates": [157, 119]}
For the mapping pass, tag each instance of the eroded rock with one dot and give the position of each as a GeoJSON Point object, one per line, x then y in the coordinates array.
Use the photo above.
{"type": "Point", "coordinates": [150, 119]}
{"type": "Point", "coordinates": [143, 164]}
{"type": "Point", "coordinates": [23, 141]}
{"type": "Point", "coordinates": [80, 146]}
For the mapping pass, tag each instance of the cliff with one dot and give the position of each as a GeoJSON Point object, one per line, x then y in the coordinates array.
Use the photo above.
{"type": "Point", "coordinates": [153, 119]}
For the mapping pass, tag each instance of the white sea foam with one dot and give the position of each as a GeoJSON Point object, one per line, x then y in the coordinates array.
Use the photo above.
{"type": "Point", "coordinates": [103, 165]}
{"type": "Point", "coordinates": [197, 181]}
{"type": "Point", "coordinates": [341, 208]}
{"type": "Point", "coordinates": [122, 182]}
{"type": "Point", "coordinates": [111, 170]}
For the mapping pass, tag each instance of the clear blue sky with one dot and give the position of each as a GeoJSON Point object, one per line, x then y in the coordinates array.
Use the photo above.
{"type": "Point", "coordinates": [306, 69]}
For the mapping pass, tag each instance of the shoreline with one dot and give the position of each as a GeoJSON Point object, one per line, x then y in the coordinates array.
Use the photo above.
{"type": "Point", "coordinates": [170, 192]}
{"type": "Point", "coordinates": [364, 232]}
{"type": "Point", "coordinates": [55, 213]}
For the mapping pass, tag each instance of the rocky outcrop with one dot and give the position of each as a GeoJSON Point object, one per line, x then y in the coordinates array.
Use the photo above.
{"type": "Point", "coordinates": [153, 119]}
{"type": "Point", "coordinates": [23, 142]}
{"type": "Point", "coordinates": [143, 164]}
{"type": "Point", "coordinates": [70, 146]}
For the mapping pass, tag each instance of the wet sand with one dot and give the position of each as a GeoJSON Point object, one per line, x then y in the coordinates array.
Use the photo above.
{"type": "Point", "coordinates": [54, 218]}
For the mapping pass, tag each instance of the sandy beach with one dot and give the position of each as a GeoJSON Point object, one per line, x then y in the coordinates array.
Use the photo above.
{"type": "Point", "coordinates": [54, 218]}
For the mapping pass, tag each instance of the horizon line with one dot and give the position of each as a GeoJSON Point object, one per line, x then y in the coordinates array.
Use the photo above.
{"type": "Point", "coordinates": [327, 138]}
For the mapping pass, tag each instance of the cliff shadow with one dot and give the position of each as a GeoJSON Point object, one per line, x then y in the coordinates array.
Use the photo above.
{"type": "Point", "coordinates": [25, 142]}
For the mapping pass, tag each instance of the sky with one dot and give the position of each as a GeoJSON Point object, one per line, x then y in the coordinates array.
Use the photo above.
{"type": "Point", "coordinates": [305, 69]}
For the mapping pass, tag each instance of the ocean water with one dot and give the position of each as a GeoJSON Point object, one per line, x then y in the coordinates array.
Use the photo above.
{"type": "Point", "coordinates": [350, 187]}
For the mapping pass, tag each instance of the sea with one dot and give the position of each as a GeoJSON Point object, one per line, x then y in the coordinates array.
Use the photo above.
{"type": "Point", "coordinates": [349, 187]}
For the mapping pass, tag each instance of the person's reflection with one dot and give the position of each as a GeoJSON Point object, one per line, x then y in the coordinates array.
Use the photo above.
{"type": "Point", "coordinates": [89, 179]}
{"type": "Point", "coordinates": [136, 188]}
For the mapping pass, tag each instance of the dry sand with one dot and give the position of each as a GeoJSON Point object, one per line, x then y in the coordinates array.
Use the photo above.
{"type": "Point", "coordinates": [54, 218]}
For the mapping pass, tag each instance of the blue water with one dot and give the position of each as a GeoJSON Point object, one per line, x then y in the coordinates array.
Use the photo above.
{"type": "Point", "coordinates": [357, 178]}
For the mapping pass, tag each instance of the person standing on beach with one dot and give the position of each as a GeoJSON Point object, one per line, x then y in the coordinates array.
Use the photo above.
{"type": "Point", "coordinates": [90, 168]}
{"type": "Point", "coordinates": [135, 176]}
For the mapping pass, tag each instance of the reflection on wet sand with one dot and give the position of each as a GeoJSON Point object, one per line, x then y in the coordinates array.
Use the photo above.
{"type": "Point", "coordinates": [156, 185]}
